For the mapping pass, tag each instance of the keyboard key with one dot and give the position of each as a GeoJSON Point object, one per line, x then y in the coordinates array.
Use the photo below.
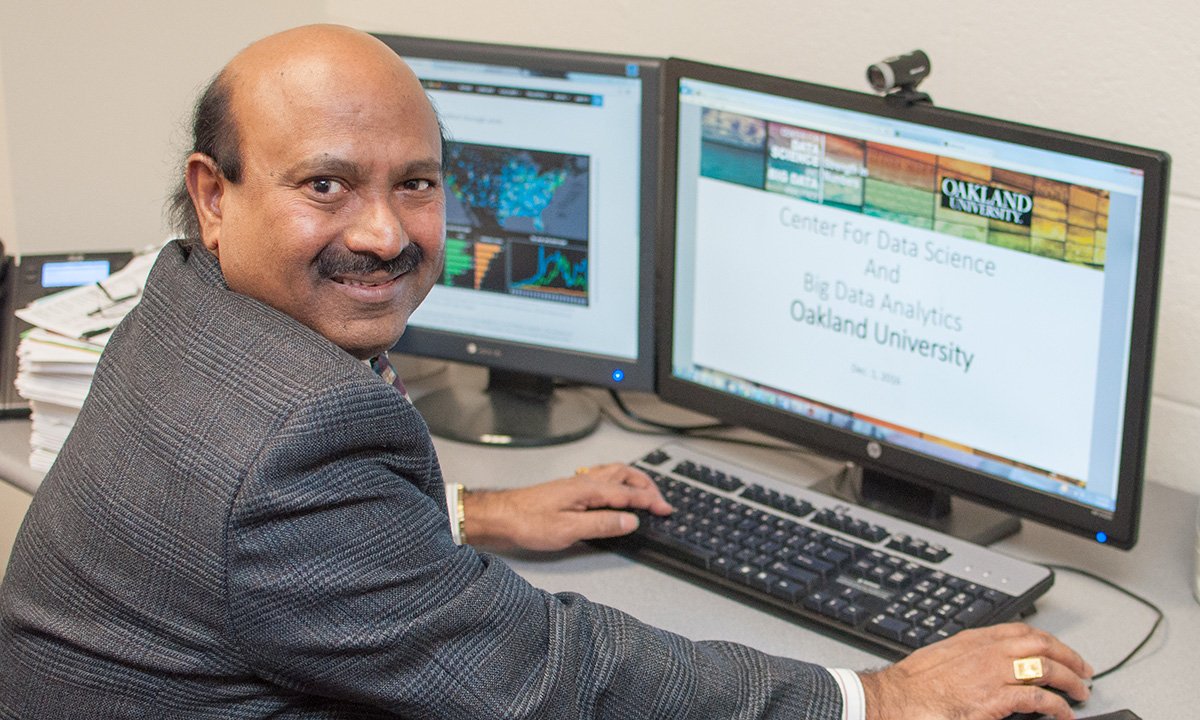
{"type": "Point", "coordinates": [974, 613]}
{"type": "Point", "coordinates": [853, 550]}
{"type": "Point", "coordinates": [932, 622]}
{"type": "Point", "coordinates": [853, 614]}
{"type": "Point", "coordinates": [945, 631]}
{"type": "Point", "coordinates": [995, 597]}
{"type": "Point", "coordinates": [763, 580]}
{"type": "Point", "coordinates": [743, 572]}
{"type": "Point", "coordinates": [837, 557]}
{"type": "Point", "coordinates": [698, 556]}
{"type": "Point", "coordinates": [927, 605]}
{"type": "Point", "coordinates": [833, 606]}
{"type": "Point", "coordinates": [934, 553]}
{"type": "Point", "coordinates": [815, 600]}
{"type": "Point", "coordinates": [813, 565]}
{"type": "Point", "coordinates": [887, 626]}
{"type": "Point", "coordinates": [914, 637]}
{"type": "Point", "coordinates": [657, 457]}
{"type": "Point", "coordinates": [849, 593]}
{"type": "Point", "coordinates": [799, 508]}
{"type": "Point", "coordinates": [785, 589]}
{"type": "Point", "coordinates": [802, 578]}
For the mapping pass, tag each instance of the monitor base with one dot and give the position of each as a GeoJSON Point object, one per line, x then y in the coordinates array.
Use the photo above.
{"type": "Point", "coordinates": [515, 410]}
{"type": "Point", "coordinates": [413, 368]}
{"type": "Point", "coordinates": [939, 511]}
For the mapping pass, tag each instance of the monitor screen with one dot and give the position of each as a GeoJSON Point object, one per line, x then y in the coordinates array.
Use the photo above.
{"type": "Point", "coordinates": [945, 299]}
{"type": "Point", "coordinates": [551, 180]}
{"type": "Point", "coordinates": [72, 273]}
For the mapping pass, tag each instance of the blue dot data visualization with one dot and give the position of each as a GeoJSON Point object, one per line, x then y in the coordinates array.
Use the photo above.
{"type": "Point", "coordinates": [517, 222]}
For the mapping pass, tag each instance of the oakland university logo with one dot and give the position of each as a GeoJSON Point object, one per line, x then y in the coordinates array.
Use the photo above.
{"type": "Point", "coordinates": [986, 201]}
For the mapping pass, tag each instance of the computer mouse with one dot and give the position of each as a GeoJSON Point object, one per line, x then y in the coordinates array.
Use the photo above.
{"type": "Point", "coordinates": [1037, 716]}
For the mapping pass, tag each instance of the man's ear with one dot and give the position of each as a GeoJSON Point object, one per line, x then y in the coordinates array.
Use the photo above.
{"type": "Point", "coordinates": [206, 185]}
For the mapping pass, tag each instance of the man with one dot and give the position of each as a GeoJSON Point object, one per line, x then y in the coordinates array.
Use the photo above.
{"type": "Point", "coordinates": [248, 522]}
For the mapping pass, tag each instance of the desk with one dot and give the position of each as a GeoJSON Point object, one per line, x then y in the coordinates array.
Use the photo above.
{"type": "Point", "coordinates": [1099, 622]}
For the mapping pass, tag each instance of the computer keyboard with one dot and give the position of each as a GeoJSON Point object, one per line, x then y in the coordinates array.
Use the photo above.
{"type": "Point", "coordinates": [880, 580]}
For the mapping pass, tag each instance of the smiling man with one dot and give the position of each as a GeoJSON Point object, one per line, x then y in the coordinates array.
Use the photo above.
{"type": "Point", "coordinates": [336, 215]}
{"type": "Point", "coordinates": [248, 522]}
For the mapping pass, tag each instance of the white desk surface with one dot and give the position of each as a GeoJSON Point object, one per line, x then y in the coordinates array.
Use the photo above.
{"type": "Point", "coordinates": [1099, 622]}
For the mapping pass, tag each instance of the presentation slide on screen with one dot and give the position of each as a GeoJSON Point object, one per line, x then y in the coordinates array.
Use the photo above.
{"type": "Point", "coordinates": [875, 278]}
{"type": "Point", "coordinates": [531, 161]}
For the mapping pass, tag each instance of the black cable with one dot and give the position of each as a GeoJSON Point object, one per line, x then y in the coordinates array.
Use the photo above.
{"type": "Point", "coordinates": [1130, 593]}
{"type": "Point", "coordinates": [672, 429]}
{"type": "Point", "coordinates": [692, 434]}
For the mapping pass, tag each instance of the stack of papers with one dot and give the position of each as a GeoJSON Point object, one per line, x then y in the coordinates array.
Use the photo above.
{"type": "Point", "coordinates": [58, 357]}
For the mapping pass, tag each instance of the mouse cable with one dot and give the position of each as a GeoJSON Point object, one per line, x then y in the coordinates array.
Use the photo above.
{"type": "Point", "coordinates": [672, 429]}
{"type": "Point", "coordinates": [1153, 628]}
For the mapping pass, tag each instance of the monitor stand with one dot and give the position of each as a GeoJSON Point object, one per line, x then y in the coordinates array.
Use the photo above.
{"type": "Point", "coordinates": [515, 409]}
{"type": "Point", "coordinates": [915, 503]}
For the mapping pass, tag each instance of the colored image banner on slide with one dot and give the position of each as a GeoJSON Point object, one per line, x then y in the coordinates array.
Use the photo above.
{"type": "Point", "coordinates": [969, 200]}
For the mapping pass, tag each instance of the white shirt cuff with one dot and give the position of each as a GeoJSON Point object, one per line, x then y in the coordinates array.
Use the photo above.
{"type": "Point", "coordinates": [854, 702]}
{"type": "Point", "coordinates": [452, 511]}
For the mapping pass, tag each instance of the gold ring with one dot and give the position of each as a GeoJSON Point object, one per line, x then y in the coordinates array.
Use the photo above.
{"type": "Point", "coordinates": [1028, 669]}
{"type": "Point", "coordinates": [582, 469]}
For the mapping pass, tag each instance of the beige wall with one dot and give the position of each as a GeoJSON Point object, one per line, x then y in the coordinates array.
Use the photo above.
{"type": "Point", "coordinates": [95, 96]}
{"type": "Point", "coordinates": [7, 210]}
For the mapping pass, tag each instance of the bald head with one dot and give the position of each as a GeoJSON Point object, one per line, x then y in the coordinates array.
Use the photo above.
{"type": "Point", "coordinates": [317, 64]}
{"type": "Point", "coordinates": [316, 181]}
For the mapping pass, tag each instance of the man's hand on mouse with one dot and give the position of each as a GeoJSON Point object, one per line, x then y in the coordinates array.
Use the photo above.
{"type": "Point", "coordinates": [971, 676]}
{"type": "Point", "coordinates": [593, 503]}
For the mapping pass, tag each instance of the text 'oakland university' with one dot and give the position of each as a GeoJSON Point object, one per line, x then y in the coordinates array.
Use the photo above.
{"type": "Point", "coordinates": [882, 333]}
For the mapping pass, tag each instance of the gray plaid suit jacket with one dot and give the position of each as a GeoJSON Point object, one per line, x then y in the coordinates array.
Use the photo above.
{"type": "Point", "coordinates": [247, 523]}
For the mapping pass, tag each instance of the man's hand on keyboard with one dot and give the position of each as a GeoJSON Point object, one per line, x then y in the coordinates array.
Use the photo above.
{"type": "Point", "coordinates": [593, 503]}
{"type": "Point", "coordinates": [970, 676]}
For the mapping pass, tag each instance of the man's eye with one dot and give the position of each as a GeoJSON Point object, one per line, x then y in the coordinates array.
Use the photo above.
{"type": "Point", "coordinates": [418, 185]}
{"type": "Point", "coordinates": [326, 186]}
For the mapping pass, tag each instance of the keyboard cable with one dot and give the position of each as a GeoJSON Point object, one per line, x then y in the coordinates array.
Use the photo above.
{"type": "Point", "coordinates": [669, 428]}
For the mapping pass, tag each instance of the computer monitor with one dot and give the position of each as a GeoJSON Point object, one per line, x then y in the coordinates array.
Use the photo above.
{"type": "Point", "coordinates": [551, 174]}
{"type": "Point", "coordinates": [958, 305]}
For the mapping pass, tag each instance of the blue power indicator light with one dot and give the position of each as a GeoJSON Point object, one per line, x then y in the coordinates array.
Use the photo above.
{"type": "Point", "coordinates": [1101, 537]}
{"type": "Point", "coordinates": [618, 375]}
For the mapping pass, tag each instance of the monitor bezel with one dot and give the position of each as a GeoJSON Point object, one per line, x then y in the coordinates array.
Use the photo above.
{"type": "Point", "coordinates": [559, 363]}
{"type": "Point", "coordinates": [1121, 528]}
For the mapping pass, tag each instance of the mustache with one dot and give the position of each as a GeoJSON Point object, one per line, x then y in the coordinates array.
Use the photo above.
{"type": "Point", "coordinates": [335, 260]}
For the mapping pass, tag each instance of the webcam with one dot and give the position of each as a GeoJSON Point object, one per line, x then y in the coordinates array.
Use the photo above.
{"type": "Point", "coordinates": [900, 75]}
